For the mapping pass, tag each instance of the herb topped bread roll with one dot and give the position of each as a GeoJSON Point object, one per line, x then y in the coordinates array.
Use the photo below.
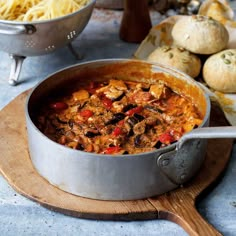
{"type": "Point", "coordinates": [178, 58]}
{"type": "Point", "coordinates": [200, 34]}
{"type": "Point", "coordinates": [219, 71]}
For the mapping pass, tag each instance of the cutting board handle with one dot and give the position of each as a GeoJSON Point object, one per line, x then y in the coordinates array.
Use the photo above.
{"type": "Point", "coordinates": [185, 215]}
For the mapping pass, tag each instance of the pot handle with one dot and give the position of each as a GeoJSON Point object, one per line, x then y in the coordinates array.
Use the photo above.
{"type": "Point", "coordinates": [208, 133]}
{"type": "Point", "coordinates": [11, 29]}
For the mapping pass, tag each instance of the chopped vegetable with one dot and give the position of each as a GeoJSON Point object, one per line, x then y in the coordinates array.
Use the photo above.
{"type": "Point", "coordinates": [112, 150]}
{"type": "Point", "coordinates": [107, 102]}
{"type": "Point", "coordinates": [117, 131]}
{"type": "Point", "coordinates": [59, 106]}
{"type": "Point", "coordinates": [166, 138]}
{"type": "Point", "coordinates": [86, 113]}
{"type": "Point", "coordinates": [134, 110]}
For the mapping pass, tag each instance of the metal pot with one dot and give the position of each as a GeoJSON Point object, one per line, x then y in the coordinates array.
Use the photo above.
{"type": "Point", "coordinates": [122, 177]}
{"type": "Point", "coordinates": [22, 39]}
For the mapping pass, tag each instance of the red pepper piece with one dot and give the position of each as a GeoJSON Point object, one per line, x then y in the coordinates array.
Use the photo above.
{"type": "Point", "coordinates": [59, 106]}
{"type": "Point", "coordinates": [112, 150]}
{"type": "Point", "coordinates": [93, 86]}
{"type": "Point", "coordinates": [134, 110]}
{"type": "Point", "coordinates": [86, 113]}
{"type": "Point", "coordinates": [107, 102]}
{"type": "Point", "coordinates": [121, 123]}
{"type": "Point", "coordinates": [166, 138]}
{"type": "Point", "coordinates": [117, 131]}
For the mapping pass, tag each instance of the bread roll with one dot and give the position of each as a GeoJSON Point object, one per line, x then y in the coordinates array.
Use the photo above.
{"type": "Point", "coordinates": [219, 71]}
{"type": "Point", "coordinates": [200, 34]}
{"type": "Point", "coordinates": [178, 58]}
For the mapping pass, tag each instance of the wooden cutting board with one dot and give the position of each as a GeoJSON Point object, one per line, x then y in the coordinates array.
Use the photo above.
{"type": "Point", "coordinates": [177, 206]}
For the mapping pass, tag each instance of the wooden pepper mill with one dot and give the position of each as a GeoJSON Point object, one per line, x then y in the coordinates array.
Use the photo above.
{"type": "Point", "coordinates": [136, 21]}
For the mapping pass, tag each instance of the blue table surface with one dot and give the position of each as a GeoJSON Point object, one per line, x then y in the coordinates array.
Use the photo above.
{"type": "Point", "coordinates": [21, 216]}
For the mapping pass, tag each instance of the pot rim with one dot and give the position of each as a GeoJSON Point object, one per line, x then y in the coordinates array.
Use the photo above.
{"type": "Point", "coordinates": [157, 152]}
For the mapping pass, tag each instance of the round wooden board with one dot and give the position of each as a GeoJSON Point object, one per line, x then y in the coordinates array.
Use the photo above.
{"type": "Point", "coordinates": [177, 206]}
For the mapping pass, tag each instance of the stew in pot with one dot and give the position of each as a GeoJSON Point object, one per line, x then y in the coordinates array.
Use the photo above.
{"type": "Point", "coordinates": [118, 117]}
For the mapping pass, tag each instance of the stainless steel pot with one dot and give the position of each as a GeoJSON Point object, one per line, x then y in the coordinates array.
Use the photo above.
{"type": "Point", "coordinates": [22, 39]}
{"type": "Point", "coordinates": [122, 177]}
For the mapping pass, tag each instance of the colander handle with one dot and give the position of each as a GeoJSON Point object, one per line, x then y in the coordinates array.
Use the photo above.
{"type": "Point", "coordinates": [12, 29]}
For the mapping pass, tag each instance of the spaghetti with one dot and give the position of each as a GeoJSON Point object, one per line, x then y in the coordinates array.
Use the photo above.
{"type": "Point", "coordinates": [36, 10]}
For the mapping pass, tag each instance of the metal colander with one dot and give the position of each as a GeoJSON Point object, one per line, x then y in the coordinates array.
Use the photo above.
{"type": "Point", "coordinates": [22, 39]}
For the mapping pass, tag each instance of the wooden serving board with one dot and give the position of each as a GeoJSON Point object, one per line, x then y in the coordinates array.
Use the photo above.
{"type": "Point", "coordinates": [177, 206]}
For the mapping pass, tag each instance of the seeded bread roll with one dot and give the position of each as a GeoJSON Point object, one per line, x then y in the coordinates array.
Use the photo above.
{"type": "Point", "coordinates": [219, 71]}
{"type": "Point", "coordinates": [200, 34]}
{"type": "Point", "coordinates": [178, 58]}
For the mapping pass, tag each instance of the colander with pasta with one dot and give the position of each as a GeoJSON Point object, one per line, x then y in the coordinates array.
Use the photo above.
{"type": "Point", "coordinates": [33, 38]}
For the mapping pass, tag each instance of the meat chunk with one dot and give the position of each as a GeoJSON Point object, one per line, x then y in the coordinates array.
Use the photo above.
{"type": "Point", "coordinates": [80, 95]}
{"type": "Point", "coordinates": [159, 91]}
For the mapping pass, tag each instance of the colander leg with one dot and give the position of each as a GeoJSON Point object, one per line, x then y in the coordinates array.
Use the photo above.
{"type": "Point", "coordinates": [16, 66]}
{"type": "Point", "coordinates": [74, 52]}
